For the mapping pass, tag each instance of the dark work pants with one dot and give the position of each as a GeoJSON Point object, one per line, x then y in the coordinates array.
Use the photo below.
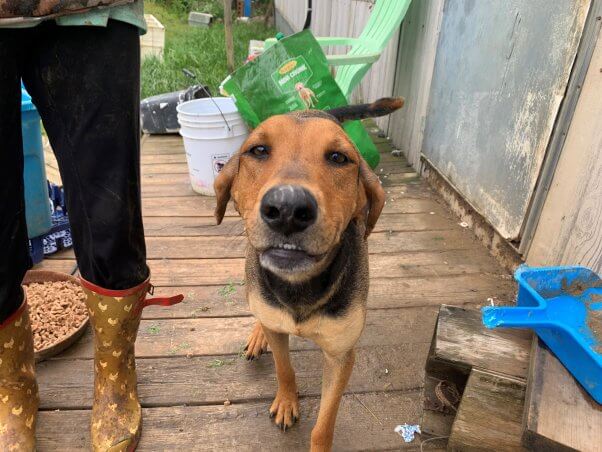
{"type": "Point", "coordinates": [85, 83]}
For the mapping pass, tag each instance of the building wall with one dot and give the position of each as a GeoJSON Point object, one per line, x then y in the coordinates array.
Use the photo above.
{"type": "Point", "coordinates": [500, 74]}
{"type": "Point", "coordinates": [413, 75]}
{"type": "Point", "coordinates": [569, 231]}
{"type": "Point", "coordinates": [346, 18]}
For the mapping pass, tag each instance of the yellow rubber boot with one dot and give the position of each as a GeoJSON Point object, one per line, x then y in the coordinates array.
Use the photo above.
{"type": "Point", "coordinates": [115, 316]}
{"type": "Point", "coordinates": [18, 388]}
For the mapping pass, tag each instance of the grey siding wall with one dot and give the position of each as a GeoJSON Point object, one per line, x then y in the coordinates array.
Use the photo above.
{"type": "Point", "coordinates": [413, 75]}
{"type": "Point", "coordinates": [500, 74]}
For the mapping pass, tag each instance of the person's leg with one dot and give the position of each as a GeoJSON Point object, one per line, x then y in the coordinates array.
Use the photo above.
{"type": "Point", "coordinates": [85, 81]}
{"type": "Point", "coordinates": [18, 389]}
{"type": "Point", "coordinates": [14, 257]}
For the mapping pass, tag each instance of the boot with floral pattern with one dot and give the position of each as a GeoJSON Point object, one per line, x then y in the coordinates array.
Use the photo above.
{"type": "Point", "coordinates": [18, 388]}
{"type": "Point", "coordinates": [115, 317]}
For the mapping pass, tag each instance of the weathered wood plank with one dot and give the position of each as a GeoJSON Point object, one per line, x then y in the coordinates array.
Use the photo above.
{"type": "Point", "coordinates": [158, 185]}
{"type": "Point", "coordinates": [490, 413]}
{"type": "Point", "coordinates": [234, 246]}
{"type": "Point", "coordinates": [393, 180]}
{"type": "Point", "coordinates": [164, 144]}
{"type": "Point", "coordinates": [195, 206]}
{"type": "Point", "coordinates": [197, 272]}
{"type": "Point", "coordinates": [225, 336]}
{"type": "Point", "coordinates": [364, 420]}
{"type": "Point", "coordinates": [204, 380]}
{"type": "Point", "coordinates": [166, 168]}
{"type": "Point", "coordinates": [463, 342]}
{"type": "Point", "coordinates": [227, 298]}
{"type": "Point", "coordinates": [551, 390]}
{"type": "Point", "coordinates": [393, 167]}
{"type": "Point", "coordinates": [229, 246]}
{"type": "Point", "coordinates": [155, 159]}
{"type": "Point", "coordinates": [205, 226]}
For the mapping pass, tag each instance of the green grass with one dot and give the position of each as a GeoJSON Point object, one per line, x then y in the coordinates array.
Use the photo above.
{"type": "Point", "coordinates": [201, 50]}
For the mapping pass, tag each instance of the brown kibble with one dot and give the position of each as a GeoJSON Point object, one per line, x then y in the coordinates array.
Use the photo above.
{"type": "Point", "coordinates": [56, 310]}
{"type": "Point", "coordinates": [227, 402]}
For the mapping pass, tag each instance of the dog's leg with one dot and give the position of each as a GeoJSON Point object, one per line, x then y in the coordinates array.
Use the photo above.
{"type": "Point", "coordinates": [285, 408]}
{"type": "Point", "coordinates": [256, 343]}
{"type": "Point", "coordinates": [337, 370]}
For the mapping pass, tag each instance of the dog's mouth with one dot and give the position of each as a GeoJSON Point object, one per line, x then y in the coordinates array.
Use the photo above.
{"type": "Point", "coordinates": [287, 257]}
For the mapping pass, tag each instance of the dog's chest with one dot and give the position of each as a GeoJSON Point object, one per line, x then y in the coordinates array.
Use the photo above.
{"type": "Point", "coordinates": [333, 334]}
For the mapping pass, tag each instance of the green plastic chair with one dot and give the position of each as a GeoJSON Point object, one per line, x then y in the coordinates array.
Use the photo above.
{"type": "Point", "coordinates": [384, 20]}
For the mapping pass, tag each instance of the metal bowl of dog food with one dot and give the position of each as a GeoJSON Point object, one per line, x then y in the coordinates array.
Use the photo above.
{"type": "Point", "coordinates": [57, 311]}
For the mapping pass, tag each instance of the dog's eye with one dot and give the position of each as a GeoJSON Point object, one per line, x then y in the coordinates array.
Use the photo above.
{"type": "Point", "coordinates": [337, 157]}
{"type": "Point", "coordinates": [260, 152]}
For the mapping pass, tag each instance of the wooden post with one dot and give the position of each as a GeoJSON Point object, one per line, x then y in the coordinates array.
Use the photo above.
{"type": "Point", "coordinates": [228, 33]}
{"type": "Point", "coordinates": [268, 19]}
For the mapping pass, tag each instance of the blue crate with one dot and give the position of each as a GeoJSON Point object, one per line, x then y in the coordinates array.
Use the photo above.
{"type": "Point", "coordinates": [563, 305]}
{"type": "Point", "coordinates": [37, 205]}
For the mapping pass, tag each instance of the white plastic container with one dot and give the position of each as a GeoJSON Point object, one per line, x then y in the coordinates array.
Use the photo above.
{"type": "Point", "coordinates": [153, 42]}
{"type": "Point", "coordinates": [210, 139]}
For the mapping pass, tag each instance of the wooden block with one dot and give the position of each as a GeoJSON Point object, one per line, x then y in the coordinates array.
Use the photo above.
{"type": "Point", "coordinates": [559, 414]}
{"type": "Point", "coordinates": [490, 414]}
{"type": "Point", "coordinates": [462, 342]}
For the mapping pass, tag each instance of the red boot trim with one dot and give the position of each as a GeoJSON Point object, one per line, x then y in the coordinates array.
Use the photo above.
{"type": "Point", "coordinates": [11, 318]}
{"type": "Point", "coordinates": [142, 287]}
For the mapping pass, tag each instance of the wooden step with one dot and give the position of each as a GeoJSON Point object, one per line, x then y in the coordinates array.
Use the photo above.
{"type": "Point", "coordinates": [559, 414]}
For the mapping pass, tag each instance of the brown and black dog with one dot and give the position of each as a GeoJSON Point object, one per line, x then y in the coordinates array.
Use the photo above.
{"type": "Point", "coordinates": [309, 201]}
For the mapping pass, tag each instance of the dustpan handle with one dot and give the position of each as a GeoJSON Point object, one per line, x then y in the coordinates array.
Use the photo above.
{"type": "Point", "coordinates": [515, 317]}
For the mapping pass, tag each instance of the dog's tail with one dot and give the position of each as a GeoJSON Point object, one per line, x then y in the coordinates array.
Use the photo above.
{"type": "Point", "coordinates": [380, 107]}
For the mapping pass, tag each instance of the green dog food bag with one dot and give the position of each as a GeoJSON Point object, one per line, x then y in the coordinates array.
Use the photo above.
{"type": "Point", "coordinates": [292, 75]}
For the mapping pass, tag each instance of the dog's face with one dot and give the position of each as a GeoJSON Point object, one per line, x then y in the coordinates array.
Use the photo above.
{"type": "Point", "coordinates": [298, 181]}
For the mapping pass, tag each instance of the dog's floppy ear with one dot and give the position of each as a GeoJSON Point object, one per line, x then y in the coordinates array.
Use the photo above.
{"type": "Point", "coordinates": [223, 185]}
{"type": "Point", "coordinates": [375, 196]}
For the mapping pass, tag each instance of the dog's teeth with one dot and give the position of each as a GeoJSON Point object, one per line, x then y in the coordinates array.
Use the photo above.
{"type": "Point", "coordinates": [287, 246]}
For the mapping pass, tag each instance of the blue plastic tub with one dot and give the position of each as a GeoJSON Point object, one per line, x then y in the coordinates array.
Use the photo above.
{"type": "Point", "coordinates": [563, 305]}
{"type": "Point", "coordinates": [37, 204]}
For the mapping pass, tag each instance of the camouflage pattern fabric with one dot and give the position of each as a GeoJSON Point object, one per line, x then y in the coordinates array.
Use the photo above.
{"type": "Point", "coordinates": [15, 11]}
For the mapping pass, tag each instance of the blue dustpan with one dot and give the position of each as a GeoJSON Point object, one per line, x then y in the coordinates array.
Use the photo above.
{"type": "Point", "coordinates": [563, 305]}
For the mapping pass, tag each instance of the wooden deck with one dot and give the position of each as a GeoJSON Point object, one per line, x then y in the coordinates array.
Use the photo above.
{"type": "Point", "coordinates": [189, 355]}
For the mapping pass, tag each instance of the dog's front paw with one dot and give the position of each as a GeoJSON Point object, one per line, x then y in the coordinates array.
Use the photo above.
{"type": "Point", "coordinates": [256, 343]}
{"type": "Point", "coordinates": [285, 409]}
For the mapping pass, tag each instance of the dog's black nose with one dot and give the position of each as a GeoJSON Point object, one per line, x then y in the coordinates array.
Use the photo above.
{"type": "Point", "coordinates": [288, 209]}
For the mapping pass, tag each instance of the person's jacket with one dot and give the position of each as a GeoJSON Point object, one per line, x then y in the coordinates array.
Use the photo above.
{"type": "Point", "coordinates": [23, 12]}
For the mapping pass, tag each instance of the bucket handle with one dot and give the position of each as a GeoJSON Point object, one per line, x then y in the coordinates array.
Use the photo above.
{"type": "Point", "coordinates": [228, 131]}
{"type": "Point", "coordinates": [191, 74]}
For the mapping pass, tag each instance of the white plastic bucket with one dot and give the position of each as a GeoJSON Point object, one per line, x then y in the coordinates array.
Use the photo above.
{"type": "Point", "coordinates": [210, 139]}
